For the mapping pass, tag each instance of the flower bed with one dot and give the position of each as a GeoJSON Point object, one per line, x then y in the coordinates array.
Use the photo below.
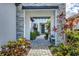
{"type": "Point", "coordinates": [16, 48]}
{"type": "Point", "coordinates": [70, 49]}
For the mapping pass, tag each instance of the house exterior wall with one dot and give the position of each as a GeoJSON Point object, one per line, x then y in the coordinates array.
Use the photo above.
{"type": "Point", "coordinates": [7, 22]}
{"type": "Point", "coordinates": [35, 13]}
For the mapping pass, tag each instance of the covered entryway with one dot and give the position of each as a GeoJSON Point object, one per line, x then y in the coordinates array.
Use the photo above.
{"type": "Point", "coordinates": [39, 44]}
{"type": "Point", "coordinates": [42, 11]}
{"type": "Point", "coordinates": [39, 17]}
{"type": "Point", "coordinates": [56, 12]}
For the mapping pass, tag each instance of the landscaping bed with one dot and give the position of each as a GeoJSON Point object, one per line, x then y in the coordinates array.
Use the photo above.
{"type": "Point", "coordinates": [71, 48]}
{"type": "Point", "coordinates": [20, 47]}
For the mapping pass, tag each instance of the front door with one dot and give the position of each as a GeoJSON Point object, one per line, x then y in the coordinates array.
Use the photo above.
{"type": "Point", "coordinates": [42, 28]}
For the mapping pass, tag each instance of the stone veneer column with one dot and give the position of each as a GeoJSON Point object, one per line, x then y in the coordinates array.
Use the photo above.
{"type": "Point", "coordinates": [19, 22]}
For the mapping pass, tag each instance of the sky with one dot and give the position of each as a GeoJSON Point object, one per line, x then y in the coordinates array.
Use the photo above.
{"type": "Point", "coordinates": [72, 9]}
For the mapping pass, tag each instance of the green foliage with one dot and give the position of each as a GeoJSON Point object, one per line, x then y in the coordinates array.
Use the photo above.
{"type": "Point", "coordinates": [37, 33]}
{"type": "Point", "coordinates": [48, 24]}
{"type": "Point", "coordinates": [15, 48]}
{"type": "Point", "coordinates": [33, 35]}
{"type": "Point", "coordinates": [11, 44]}
{"type": "Point", "coordinates": [61, 50]}
{"type": "Point", "coordinates": [66, 50]}
{"type": "Point", "coordinates": [73, 36]}
{"type": "Point", "coordinates": [58, 54]}
{"type": "Point", "coordinates": [71, 48]}
{"type": "Point", "coordinates": [46, 36]}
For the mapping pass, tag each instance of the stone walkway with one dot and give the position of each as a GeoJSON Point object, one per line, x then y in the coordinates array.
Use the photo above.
{"type": "Point", "coordinates": [40, 47]}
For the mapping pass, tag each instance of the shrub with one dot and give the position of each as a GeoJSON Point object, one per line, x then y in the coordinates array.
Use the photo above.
{"type": "Point", "coordinates": [46, 36]}
{"type": "Point", "coordinates": [58, 54]}
{"type": "Point", "coordinates": [23, 41]}
{"type": "Point", "coordinates": [37, 33]}
{"type": "Point", "coordinates": [72, 36]}
{"type": "Point", "coordinates": [16, 48]}
{"type": "Point", "coordinates": [71, 48]}
{"type": "Point", "coordinates": [33, 35]}
{"type": "Point", "coordinates": [64, 50]}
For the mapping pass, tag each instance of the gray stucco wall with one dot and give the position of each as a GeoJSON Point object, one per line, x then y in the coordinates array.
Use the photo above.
{"type": "Point", "coordinates": [7, 22]}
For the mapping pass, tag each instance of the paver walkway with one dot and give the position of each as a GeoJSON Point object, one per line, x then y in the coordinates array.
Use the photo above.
{"type": "Point", "coordinates": [40, 47]}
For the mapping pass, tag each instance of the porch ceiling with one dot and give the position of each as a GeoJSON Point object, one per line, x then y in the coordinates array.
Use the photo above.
{"type": "Point", "coordinates": [40, 7]}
